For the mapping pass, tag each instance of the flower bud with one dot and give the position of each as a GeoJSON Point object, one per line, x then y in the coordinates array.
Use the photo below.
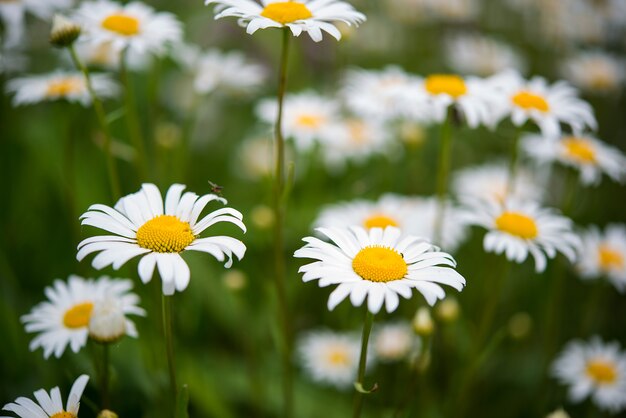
{"type": "Point", "coordinates": [423, 324]}
{"type": "Point", "coordinates": [448, 310]}
{"type": "Point", "coordinates": [64, 31]}
{"type": "Point", "coordinates": [560, 413]}
{"type": "Point", "coordinates": [107, 323]}
{"type": "Point", "coordinates": [235, 280]}
{"type": "Point", "coordinates": [520, 325]}
{"type": "Point", "coordinates": [105, 413]}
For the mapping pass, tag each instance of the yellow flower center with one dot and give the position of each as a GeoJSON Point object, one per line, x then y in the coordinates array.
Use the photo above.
{"type": "Point", "coordinates": [310, 121]}
{"type": "Point", "coordinates": [165, 234]}
{"type": "Point", "coordinates": [63, 414]}
{"type": "Point", "coordinates": [64, 87]}
{"type": "Point", "coordinates": [609, 258]}
{"type": "Point", "coordinates": [528, 101]}
{"type": "Point", "coordinates": [379, 264]}
{"type": "Point", "coordinates": [517, 224]}
{"type": "Point", "coordinates": [286, 12]}
{"type": "Point", "coordinates": [338, 357]}
{"type": "Point", "coordinates": [78, 315]}
{"type": "Point", "coordinates": [379, 220]}
{"type": "Point", "coordinates": [452, 85]}
{"type": "Point", "coordinates": [601, 371]}
{"type": "Point", "coordinates": [358, 133]}
{"type": "Point", "coordinates": [122, 24]}
{"type": "Point", "coordinates": [579, 149]}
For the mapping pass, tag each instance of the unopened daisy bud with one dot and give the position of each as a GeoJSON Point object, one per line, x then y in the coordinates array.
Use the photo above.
{"type": "Point", "coordinates": [520, 325]}
{"type": "Point", "coordinates": [560, 413]}
{"type": "Point", "coordinates": [423, 324]}
{"type": "Point", "coordinates": [107, 323]}
{"type": "Point", "coordinates": [234, 280]}
{"type": "Point", "coordinates": [105, 413]}
{"type": "Point", "coordinates": [262, 217]}
{"type": "Point", "coordinates": [412, 134]}
{"type": "Point", "coordinates": [64, 31]}
{"type": "Point", "coordinates": [448, 310]}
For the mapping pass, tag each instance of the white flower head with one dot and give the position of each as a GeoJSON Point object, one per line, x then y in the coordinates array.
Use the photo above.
{"type": "Point", "coordinates": [227, 71]}
{"type": "Point", "coordinates": [593, 369]}
{"type": "Point", "coordinates": [379, 265]}
{"type": "Point", "coordinates": [50, 404]}
{"type": "Point", "coordinates": [595, 72]}
{"type": "Point", "coordinates": [142, 224]}
{"type": "Point", "coordinates": [394, 341]}
{"type": "Point", "coordinates": [480, 55]}
{"type": "Point", "coordinates": [603, 254]}
{"type": "Point", "coordinates": [312, 16]}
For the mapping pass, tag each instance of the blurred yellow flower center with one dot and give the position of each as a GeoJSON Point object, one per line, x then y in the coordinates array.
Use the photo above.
{"type": "Point", "coordinates": [602, 372]}
{"type": "Point", "coordinates": [452, 85]}
{"type": "Point", "coordinates": [338, 358]}
{"type": "Point", "coordinates": [579, 149]}
{"type": "Point", "coordinates": [517, 224]}
{"type": "Point", "coordinates": [528, 101]}
{"type": "Point", "coordinates": [379, 220]}
{"type": "Point", "coordinates": [78, 315]}
{"type": "Point", "coordinates": [165, 234]}
{"type": "Point", "coordinates": [122, 24]}
{"type": "Point", "coordinates": [357, 131]}
{"type": "Point", "coordinates": [286, 12]}
{"type": "Point", "coordinates": [63, 414]}
{"type": "Point", "coordinates": [379, 264]}
{"type": "Point", "coordinates": [609, 258]}
{"type": "Point", "coordinates": [64, 87]}
{"type": "Point", "coordinates": [310, 121]}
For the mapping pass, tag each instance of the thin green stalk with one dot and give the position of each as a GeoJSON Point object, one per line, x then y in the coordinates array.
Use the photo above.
{"type": "Point", "coordinates": [104, 126]}
{"type": "Point", "coordinates": [417, 368]}
{"type": "Point", "coordinates": [166, 304]}
{"type": "Point", "coordinates": [571, 188]}
{"type": "Point", "coordinates": [443, 170]}
{"type": "Point", "coordinates": [513, 162]}
{"type": "Point", "coordinates": [105, 378]}
{"type": "Point", "coordinates": [279, 239]}
{"type": "Point", "coordinates": [360, 392]}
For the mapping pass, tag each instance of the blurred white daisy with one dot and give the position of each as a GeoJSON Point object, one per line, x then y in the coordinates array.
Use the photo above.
{"type": "Point", "coordinates": [604, 255]}
{"type": "Point", "coordinates": [593, 369]}
{"type": "Point", "coordinates": [64, 318]}
{"type": "Point", "coordinates": [379, 264]}
{"type": "Point", "coordinates": [590, 156]}
{"type": "Point", "coordinates": [330, 357]}
{"type": "Point", "coordinates": [548, 105]}
{"type": "Point", "coordinates": [595, 72]}
{"type": "Point", "coordinates": [480, 55]}
{"type": "Point", "coordinates": [519, 228]}
{"type": "Point", "coordinates": [134, 27]}
{"type": "Point", "coordinates": [491, 181]}
{"type": "Point", "coordinates": [50, 405]}
{"type": "Point", "coordinates": [104, 55]}
{"type": "Point", "coordinates": [13, 12]}
{"type": "Point", "coordinates": [307, 118]}
{"type": "Point", "coordinates": [60, 85]}
{"type": "Point", "coordinates": [311, 16]}
{"type": "Point", "coordinates": [142, 225]}
{"type": "Point", "coordinates": [394, 341]}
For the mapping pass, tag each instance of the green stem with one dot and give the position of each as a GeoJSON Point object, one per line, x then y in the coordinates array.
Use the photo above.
{"type": "Point", "coordinates": [417, 367]}
{"type": "Point", "coordinates": [443, 171]}
{"type": "Point", "coordinates": [571, 188]}
{"type": "Point", "coordinates": [104, 126]}
{"type": "Point", "coordinates": [358, 397]}
{"type": "Point", "coordinates": [513, 163]}
{"type": "Point", "coordinates": [105, 376]}
{"type": "Point", "coordinates": [166, 303]}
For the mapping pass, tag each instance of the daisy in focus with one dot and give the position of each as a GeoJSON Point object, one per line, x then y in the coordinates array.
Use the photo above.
{"type": "Point", "coordinates": [479, 55]}
{"type": "Point", "coordinates": [74, 309]}
{"type": "Point", "coordinates": [330, 357]}
{"type": "Point", "coordinates": [519, 229]}
{"type": "Point", "coordinates": [311, 16]}
{"type": "Point", "coordinates": [547, 105]}
{"type": "Point", "coordinates": [590, 156]}
{"type": "Point", "coordinates": [379, 264]}
{"type": "Point", "coordinates": [134, 27]}
{"type": "Point", "coordinates": [593, 369]}
{"type": "Point", "coordinates": [50, 405]}
{"type": "Point", "coordinates": [604, 255]}
{"type": "Point", "coordinates": [394, 341]}
{"type": "Point", "coordinates": [595, 72]}
{"type": "Point", "coordinates": [142, 225]}
{"type": "Point", "coordinates": [70, 86]}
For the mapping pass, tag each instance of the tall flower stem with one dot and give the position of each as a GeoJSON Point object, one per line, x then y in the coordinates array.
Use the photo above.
{"type": "Point", "coordinates": [513, 162]}
{"type": "Point", "coordinates": [279, 239]}
{"type": "Point", "coordinates": [360, 392]}
{"type": "Point", "coordinates": [105, 377]}
{"type": "Point", "coordinates": [114, 180]}
{"type": "Point", "coordinates": [166, 303]}
{"type": "Point", "coordinates": [443, 170]}
{"type": "Point", "coordinates": [417, 368]}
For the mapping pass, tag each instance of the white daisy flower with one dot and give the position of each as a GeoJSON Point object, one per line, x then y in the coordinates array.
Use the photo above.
{"type": "Point", "coordinates": [104, 55]}
{"type": "Point", "coordinates": [595, 72]}
{"type": "Point", "coordinates": [64, 318]}
{"type": "Point", "coordinates": [307, 117]}
{"type": "Point", "coordinates": [70, 86]}
{"type": "Point", "coordinates": [13, 12]}
{"type": "Point", "coordinates": [330, 357]}
{"type": "Point", "coordinates": [50, 405]}
{"type": "Point", "coordinates": [604, 255]}
{"type": "Point", "coordinates": [142, 225]}
{"type": "Point", "coordinates": [378, 264]}
{"type": "Point", "coordinates": [593, 369]}
{"type": "Point", "coordinates": [481, 55]}
{"type": "Point", "coordinates": [394, 341]}
{"type": "Point", "coordinates": [491, 182]}
{"type": "Point", "coordinates": [546, 105]}
{"type": "Point", "coordinates": [590, 156]}
{"type": "Point", "coordinates": [517, 229]}
{"type": "Point", "coordinates": [133, 26]}
{"type": "Point", "coordinates": [312, 16]}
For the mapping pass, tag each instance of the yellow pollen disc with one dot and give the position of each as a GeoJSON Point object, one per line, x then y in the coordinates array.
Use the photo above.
{"type": "Point", "coordinates": [379, 220]}
{"type": "Point", "coordinates": [379, 264]}
{"type": "Point", "coordinates": [64, 87]}
{"type": "Point", "coordinates": [602, 372]}
{"type": "Point", "coordinates": [338, 358]}
{"type": "Point", "coordinates": [63, 414]}
{"type": "Point", "coordinates": [579, 149]}
{"type": "Point", "coordinates": [165, 234]}
{"type": "Point", "coordinates": [78, 315]}
{"type": "Point", "coordinates": [121, 24]}
{"type": "Point", "coordinates": [517, 224]}
{"type": "Point", "coordinates": [310, 121]}
{"type": "Point", "coordinates": [286, 12]}
{"type": "Point", "coordinates": [528, 101]}
{"type": "Point", "coordinates": [609, 258]}
{"type": "Point", "coordinates": [452, 85]}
